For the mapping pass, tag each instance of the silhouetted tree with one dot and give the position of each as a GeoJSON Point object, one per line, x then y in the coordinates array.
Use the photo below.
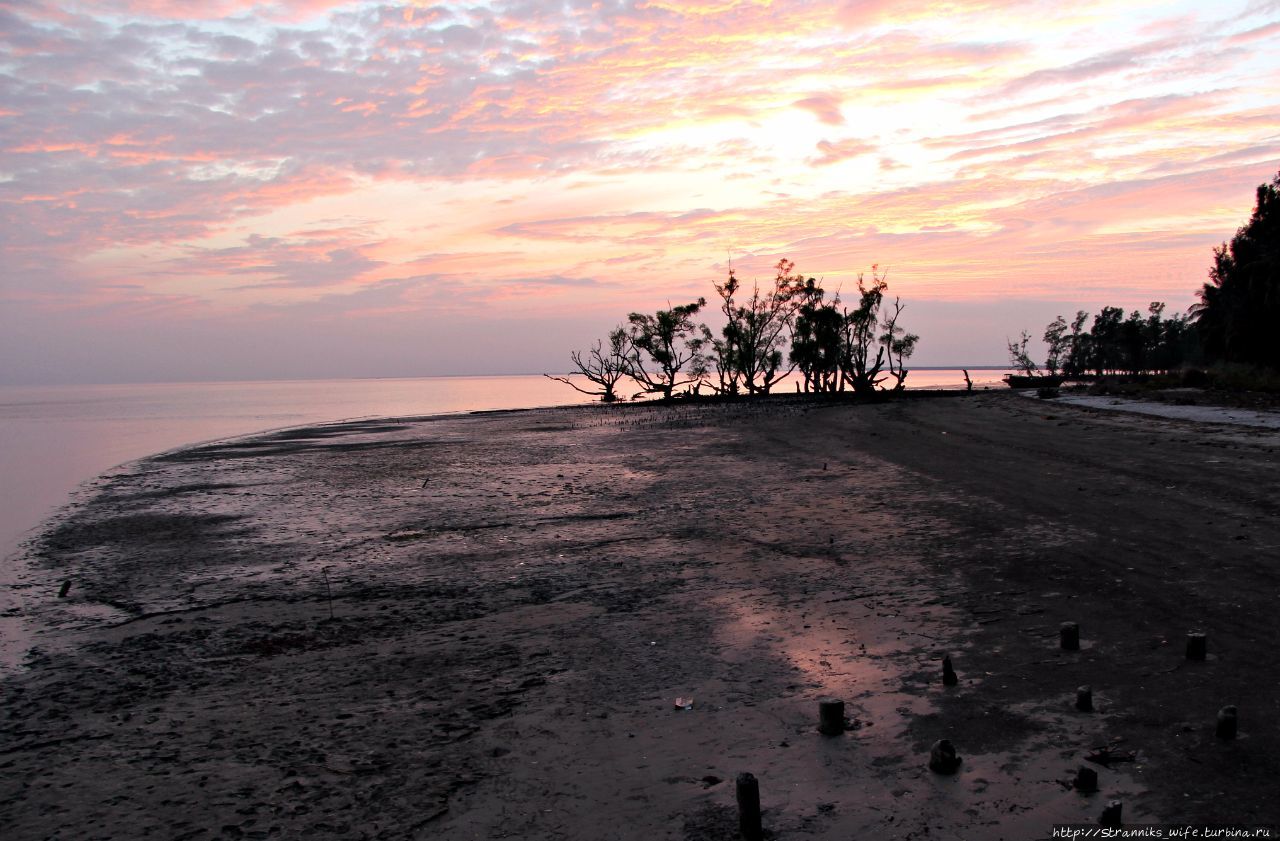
{"type": "Point", "coordinates": [1079, 348]}
{"type": "Point", "coordinates": [1059, 341]}
{"type": "Point", "coordinates": [1171, 342]}
{"type": "Point", "coordinates": [1105, 335]}
{"type": "Point", "coordinates": [665, 347]}
{"type": "Point", "coordinates": [1020, 357]}
{"type": "Point", "coordinates": [1133, 343]}
{"type": "Point", "coordinates": [603, 368]}
{"type": "Point", "coordinates": [898, 345]}
{"type": "Point", "coordinates": [749, 352]}
{"type": "Point", "coordinates": [816, 339]}
{"type": "Point", "coordinates": [858, 370]}
{"type": "Point", "coordinates": [1238, 309]}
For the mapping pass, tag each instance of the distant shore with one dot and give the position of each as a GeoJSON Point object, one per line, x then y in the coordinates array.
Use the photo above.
{"type": "Point", "coordinates": [473, 625]}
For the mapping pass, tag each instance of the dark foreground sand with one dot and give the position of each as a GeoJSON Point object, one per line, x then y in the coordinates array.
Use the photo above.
{"type": "Point", "coordinates": [518, 599]}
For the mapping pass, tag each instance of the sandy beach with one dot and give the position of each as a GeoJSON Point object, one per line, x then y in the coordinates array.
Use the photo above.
{"type": "Point", "coordinates": [477, 627]}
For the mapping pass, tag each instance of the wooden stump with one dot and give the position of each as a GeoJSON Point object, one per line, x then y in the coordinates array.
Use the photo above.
{"type": "Point", "coordinates": [1084, 699]}
{"type": "Point", "coordinates": [949, 677]}
{"type": "Point", "coordinates": [1086, 780]}
{"type": "Point", "coordinates": [831, 716]}
{"type": "Point", "coordinates": [943, 758]}
{"type": "Point", "coordinates": [1069, 636]}
{"type": "Point", "coordinates": [749, 807]}
{"type": "Point", "coordinates": [1111, 815]}
{"type": "Point", "coordinates": [1197, 645]}
{"type": "Point", "coordinates": [1228, 722]}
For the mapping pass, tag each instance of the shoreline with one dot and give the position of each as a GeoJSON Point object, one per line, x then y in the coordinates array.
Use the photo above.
{"type": "Point", "coordinates": [497, 580]}
{"type": "Point", "coordinates": [16, 637]}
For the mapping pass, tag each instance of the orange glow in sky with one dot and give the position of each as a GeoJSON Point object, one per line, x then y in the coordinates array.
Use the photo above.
{"type": "Point", "coordinates": [319, 188]}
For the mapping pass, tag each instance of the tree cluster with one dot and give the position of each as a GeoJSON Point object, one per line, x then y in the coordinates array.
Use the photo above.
{"type": "Point", "coordinates": [1112, 344]}
{"type": "Point", "coordinates": [789, 325]}
{"type": "Point", "coordinates": [1238, 309]}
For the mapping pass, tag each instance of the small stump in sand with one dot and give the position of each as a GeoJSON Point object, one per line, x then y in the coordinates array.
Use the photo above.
{"type": "Point", "coordinates": [749, 823]}
{"type": "Point", "coordinates": [1069, 636]}
{"type": "Point", "coordinates": [1086, 780]}
{"type": "Point", "coordinates": [1228, 722]}
{"type": "Point", "coordinates": [64, 589]}
{"type": "Point", "coordinates": [943, 758]}
{"type": "Point", "coordinates": [1111, 815]}
{"type": "Point", "coordinates": [1197, 645]}
{"type": "Point", "coordinates": [830, 716]}
{"type": "Point", "coordinates": [1084, 699]}
{"type": "Point", "coordinates": [949, 677]}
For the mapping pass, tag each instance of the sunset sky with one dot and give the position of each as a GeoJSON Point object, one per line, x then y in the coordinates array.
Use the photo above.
{"type": "Point", "coordinates": [235, 189]}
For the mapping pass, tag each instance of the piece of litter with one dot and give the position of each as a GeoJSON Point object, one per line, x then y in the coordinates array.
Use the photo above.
{"type": "Point", "coordinates": [684, 703]}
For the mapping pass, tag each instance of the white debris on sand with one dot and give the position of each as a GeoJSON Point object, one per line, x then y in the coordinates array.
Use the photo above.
{"type": "Point", "coordinates": [1200, 414]}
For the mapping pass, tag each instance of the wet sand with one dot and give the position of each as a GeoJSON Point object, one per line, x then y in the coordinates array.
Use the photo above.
{"type": "Point", "coordinates": [477, 627]}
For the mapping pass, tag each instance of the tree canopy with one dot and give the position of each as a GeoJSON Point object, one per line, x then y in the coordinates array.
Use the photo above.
{"type": "Point", "coordinates": [1239, 307]}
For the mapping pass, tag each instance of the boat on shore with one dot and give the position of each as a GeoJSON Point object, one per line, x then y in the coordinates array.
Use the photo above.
{"type": "Point", "coordinates": [1032, 381]}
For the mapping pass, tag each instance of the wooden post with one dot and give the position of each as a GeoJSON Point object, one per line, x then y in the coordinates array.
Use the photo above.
{"type": "Point", "coordinates": [1086, 780]}
{"type": "Point", "coordinates": [1228, 722]}
{"type": "Point", "coordinates": [64, 589]}
{"type": "Point", "coordinates": [1084, 699]}
{"type": "Point", "coordinates": [749, 807]}
{"type": "Point", "coordinates": [1069, 636]}
{"type": "Point", "coordinates": [1197, 645]}
{"type": "Point", "coordinates": [1111, 815]}
{"type": "Point", "coordinates": [949, 677]}
{"type": "Point", "coordinates": [831, 716]}
{"type": "Point", "coordinates": [943, 758]}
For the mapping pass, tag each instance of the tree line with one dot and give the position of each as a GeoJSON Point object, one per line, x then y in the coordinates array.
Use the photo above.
{"type": "Point", "coordinates": [790, 325]}
{"type": "Point", "coordinates": [1113, 344]}
{"type": "Point", "coordinates": [1239, 307]}
{"type": "Point", "coordinates": [1233, 320]}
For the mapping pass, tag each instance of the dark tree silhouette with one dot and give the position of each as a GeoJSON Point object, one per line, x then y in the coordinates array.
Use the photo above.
{"type": "Point", "coordinates": [666, 349]}
{"type": "Point", "coordinates": [603, 368]}
{"type": "Point", "coordinates": [1058, 340]}
{"type": "Point", "coordinates": [749, 353]}
{"type": "Point", "coordinates": [816, 339]}
{"type": "Point", "coordinates": [898, 345]}
{"type": "Point", "coordinates": [1239, 307]}
{"type": "Point", "coordinates": [858, 370]}
{"type": "Point", "coordinates": [1020, 357]}
{"type": "Point", "coordinates": [1078, 347]}
{"type": "Point", "coordinates": [1106, 337]}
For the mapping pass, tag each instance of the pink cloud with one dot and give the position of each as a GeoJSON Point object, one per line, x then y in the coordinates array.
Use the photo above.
{"type": "Point", "coordinates": [212, 9]}
{"type": "Point", "coordinates": [824, 106]}
{"type": "Point", "coordinates": [1258, 33]}
{"type": "Point", "coordinates": [841, 150]}
{"type": "Point", "coordinates": [314, 258]}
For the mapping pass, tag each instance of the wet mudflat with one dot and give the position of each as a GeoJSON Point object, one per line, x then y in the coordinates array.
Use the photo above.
{"type": "Point", "coordinates": [478, 627]}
